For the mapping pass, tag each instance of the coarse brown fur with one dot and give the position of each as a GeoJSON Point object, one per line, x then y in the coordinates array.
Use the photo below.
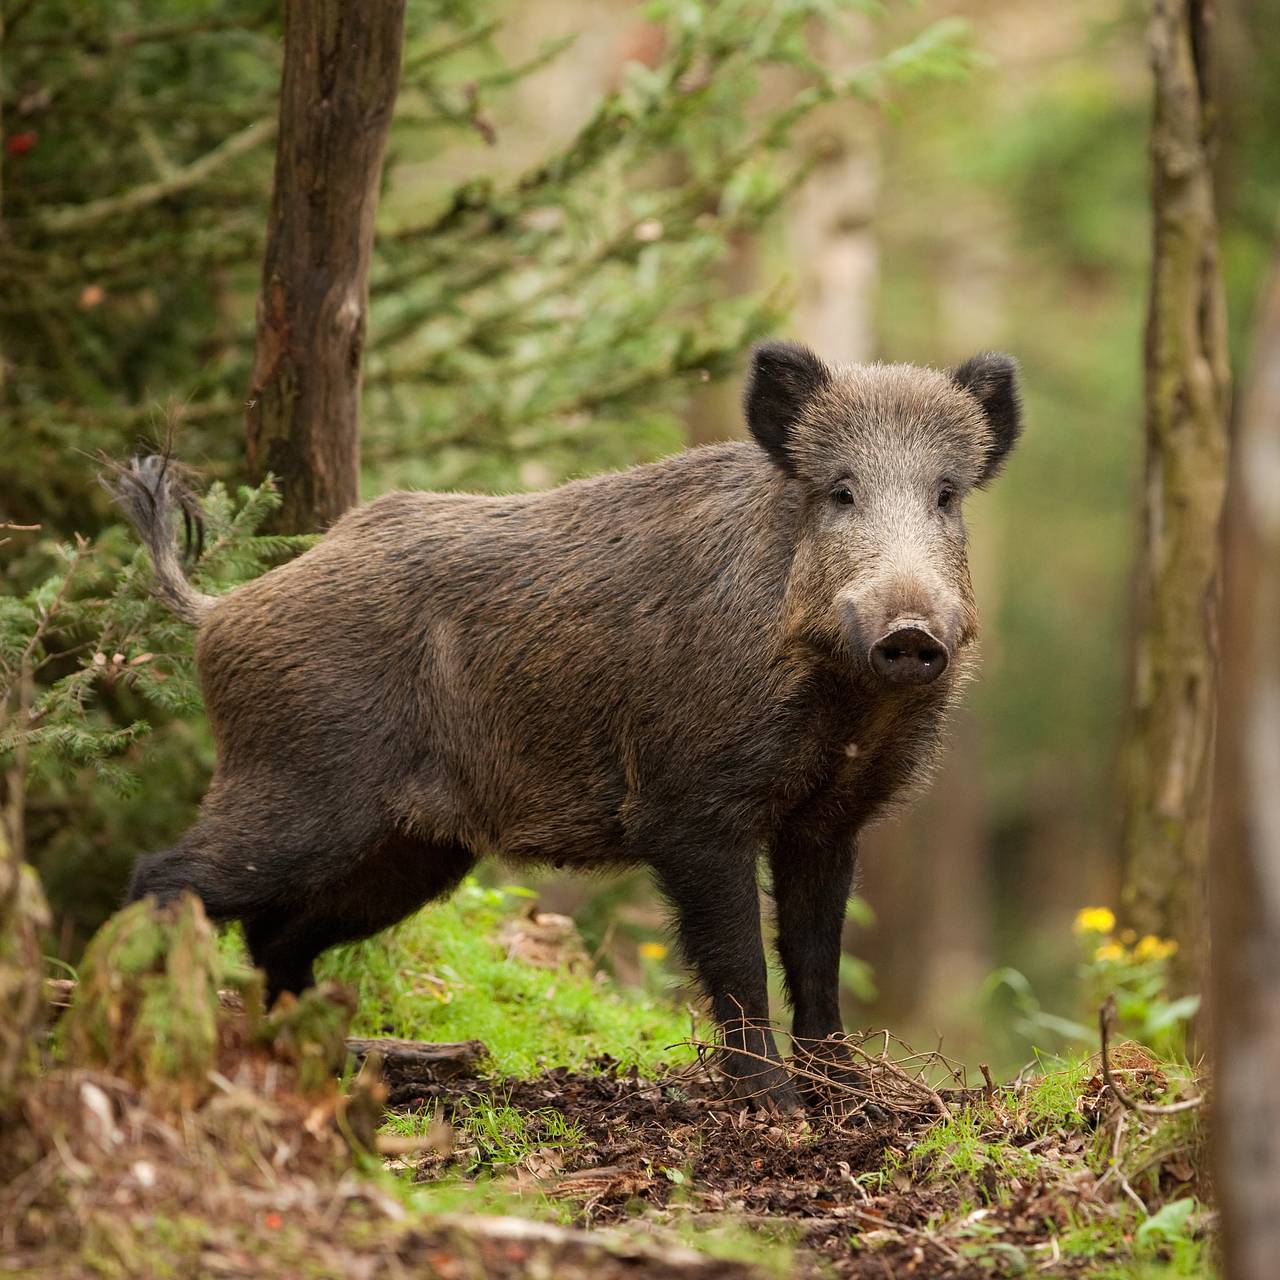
{"type": "Point", "coordinates": [664, 666]}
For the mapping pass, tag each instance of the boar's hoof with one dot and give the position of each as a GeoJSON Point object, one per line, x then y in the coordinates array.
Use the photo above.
{"type": "Point", "coordinates": [768, 1088]}
{"type": "Point", "coordinates": [844, 1095]}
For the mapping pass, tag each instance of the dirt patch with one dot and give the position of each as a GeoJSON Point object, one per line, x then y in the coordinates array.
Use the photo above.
{"type": "Point", "coordinates": [858, 1198]}
{"type": "Point", "coordinates": [675, 1152]}
{"type": "Point", "coordinates": [647, 1144]}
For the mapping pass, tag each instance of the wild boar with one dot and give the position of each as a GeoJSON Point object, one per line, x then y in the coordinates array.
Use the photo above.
{"type": "Point", "coordinates": [742, 652]}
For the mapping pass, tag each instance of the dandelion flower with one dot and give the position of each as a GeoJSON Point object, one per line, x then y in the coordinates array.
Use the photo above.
{"type": "Point", "coordinates": [1153, 948]}
{"type": "Point", "coordinates": [1095, 920]}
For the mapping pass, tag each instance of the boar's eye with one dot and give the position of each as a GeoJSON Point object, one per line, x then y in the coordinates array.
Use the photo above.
{"type": "Point", "coordinates": [843, 495]}
{"type": "Point", "coordinates": [946, 497]}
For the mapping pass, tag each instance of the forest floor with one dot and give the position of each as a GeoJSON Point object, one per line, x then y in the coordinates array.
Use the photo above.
{"type": "Point", "coordinates": [269, 1159]}
{"type": "Point", "coordinates": [1035, 1178]}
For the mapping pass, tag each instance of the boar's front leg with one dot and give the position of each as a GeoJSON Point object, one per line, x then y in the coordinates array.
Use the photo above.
{"type": "Point", "coordinates": [717, 905]}
{"type": "Point", "coordinates": [812, 877]}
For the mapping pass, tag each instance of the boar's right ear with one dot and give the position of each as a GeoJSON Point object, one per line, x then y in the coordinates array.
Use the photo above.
{"type": "Point", "coordinates": [784, 377]}
{"type": "Point", "coordinates": [992, 379]}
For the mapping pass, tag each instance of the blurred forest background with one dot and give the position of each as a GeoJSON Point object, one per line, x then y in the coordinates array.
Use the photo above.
{"type": "Point", "coordinates": [589, 211]}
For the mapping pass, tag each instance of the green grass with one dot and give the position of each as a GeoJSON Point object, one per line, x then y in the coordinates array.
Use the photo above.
{"type": "Point", "coordinates": [500, 1134]}
{"type": "Point", "coordinates": [443, 974]}
{"type": "Point", "coordinates": [505, 1136]}
{"type": "Point", "coordinates": [771, 1249]}
{"type": "Point", "coordinates": [1053, 1100]}
{"type": "Point", "coordinates": [958, 1150]}
{"type": "Point", "coordinates": [976, 1150]}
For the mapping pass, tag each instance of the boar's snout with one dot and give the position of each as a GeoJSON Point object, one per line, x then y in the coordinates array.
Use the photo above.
{"type": "Point", "coordinates": [909, 653]}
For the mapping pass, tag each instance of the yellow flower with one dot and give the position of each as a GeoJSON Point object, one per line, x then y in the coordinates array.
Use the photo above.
{"type": "Point", "coordinates": [1095, 920]}
{"type": "Point", "coordinates": [1109, 951]}
{"type": "Point", "coordinates": [653, 951]}
{"type": "Point", "coordinates": [1153, 948]}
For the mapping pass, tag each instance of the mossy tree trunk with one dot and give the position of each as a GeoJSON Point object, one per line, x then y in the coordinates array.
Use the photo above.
{"type": "Point", "coordinates": [1246, 850]}
{"type": "Point", "coordinates": [1169, 755]}
{"type": "Point", "coordinates": [341, 74]}
{"type": "Point", "coordinates": [23, 919]}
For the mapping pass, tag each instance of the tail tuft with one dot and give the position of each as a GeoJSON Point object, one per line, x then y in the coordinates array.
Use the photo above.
{"type": "Point", "coordinates": [151, 491]}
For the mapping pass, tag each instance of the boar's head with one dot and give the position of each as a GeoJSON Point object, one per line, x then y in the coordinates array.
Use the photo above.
{"type": "Point", "coordinates": [880, 459]}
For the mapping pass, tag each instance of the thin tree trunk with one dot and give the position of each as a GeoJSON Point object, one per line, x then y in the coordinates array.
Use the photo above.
{"type": "Point", "coordinates": [1169, 750]}
{"type": "Point", "coordinates": [23, 919]}
{"type": "Point", "coordinates": [1246, 849]}
{"type": "Point", "coordinates": [341, 73]}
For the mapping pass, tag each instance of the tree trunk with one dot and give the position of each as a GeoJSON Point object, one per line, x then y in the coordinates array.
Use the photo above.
{"type": "Point", "coordinates": [341, 72]}
{"type": "Point", "coordinates": [23, 919]}
{"type": "Point", "coordinates": [1246, 849]}
{"type": "Point", "coordinates": [1169, 748]}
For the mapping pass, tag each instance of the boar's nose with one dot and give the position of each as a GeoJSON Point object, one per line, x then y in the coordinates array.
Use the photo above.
{"type": "Point", "coordinates": [909, 654]}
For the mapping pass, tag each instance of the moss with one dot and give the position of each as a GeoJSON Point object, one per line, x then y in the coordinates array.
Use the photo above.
{"type": "Point", "coordinates": [310, 1031]}
{"type": "Point", "coordinates": [445, 975]}
{"type": "Point", "coordinates": [147, 1003]}
{"type": "Point", "coordinates": [147, 1007]}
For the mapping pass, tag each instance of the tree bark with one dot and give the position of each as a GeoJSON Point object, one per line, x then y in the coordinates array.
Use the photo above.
{"type": "Point", "coordinates": [1169, 748]}
{"type": "Point", "coordinates": [341, 73]}
{"type": "Point", "coordinates": [1246, 848]}
{"type": "Point", "coordinates": [23, 919]}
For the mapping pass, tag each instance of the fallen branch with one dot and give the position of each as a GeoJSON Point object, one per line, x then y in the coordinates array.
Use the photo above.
{"type": "Point", "coordinates": [420, 1059]}
{"type": "Point", "coordinates": [883, 1224]}
{"type": "Point", "coordinates": [1106, 1019]}
{"type": "Point", "coordinates": [596, 1247]}
{"type": "Point", "coordinates": [882, 1061]}
{"type": "Point", "coordinates": [882, 1084]}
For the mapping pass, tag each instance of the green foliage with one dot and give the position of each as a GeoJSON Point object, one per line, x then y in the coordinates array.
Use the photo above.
{"type": "Point", "coordinates": [1169, 1245]}
{"type": "Point", "coordinates": [100, 705]}
{"type": "Point", "coordinates": [963, 1148]}
{"type": "Point", "coordinates": [559, 315]}
{"type": "Point", "coordinates": [1167, 1224]}
{"type": "Point", "coordinates": [503, 1136]}
{"type": "Point", "coordinates": [1114, 963]}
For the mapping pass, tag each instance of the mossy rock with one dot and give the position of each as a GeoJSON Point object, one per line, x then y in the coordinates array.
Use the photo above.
{"type": "Point", "coordinates": [310, 1031]}
{"type": "Point", "coordinates": [146, 1008]}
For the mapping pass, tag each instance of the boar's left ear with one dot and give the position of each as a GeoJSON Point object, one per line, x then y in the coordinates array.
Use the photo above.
{"type": "Point", "coordinates": [784, 377]}
{"type": "Point", "coordinates": [992, 379]}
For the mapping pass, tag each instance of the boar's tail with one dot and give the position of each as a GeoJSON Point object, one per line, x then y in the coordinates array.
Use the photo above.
{"type": "Point", "coordinates": [150, 491]}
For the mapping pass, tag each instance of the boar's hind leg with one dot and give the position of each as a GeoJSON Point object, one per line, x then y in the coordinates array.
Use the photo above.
{"type": "Point", "coordinates": [229, 886]}
{"type": "Point", "coordinates": [718, 916]}
{"type": "Point", "coordinates": [390, 882]}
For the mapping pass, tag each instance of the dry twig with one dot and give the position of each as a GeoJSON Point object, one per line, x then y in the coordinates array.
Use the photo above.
{"type": "Point", "coordinates": [1106, 1020]}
